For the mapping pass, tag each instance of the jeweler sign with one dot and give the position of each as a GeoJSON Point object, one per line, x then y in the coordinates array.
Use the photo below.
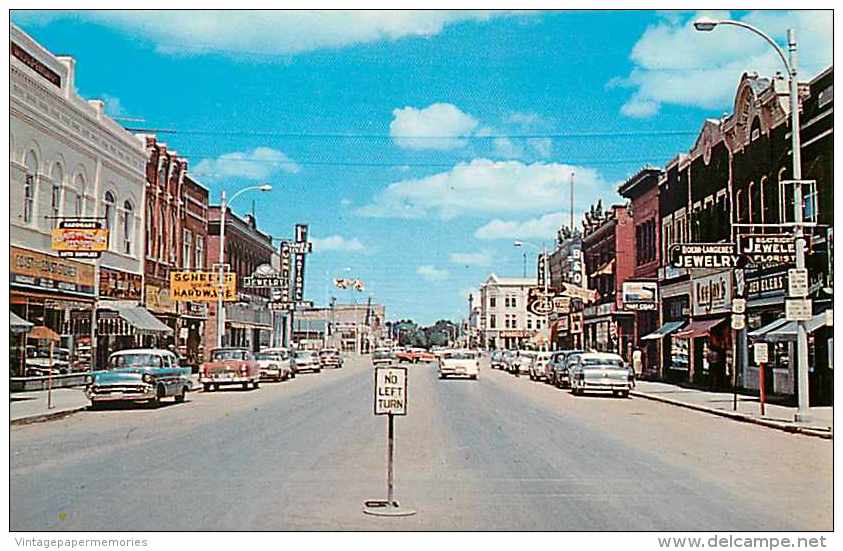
{"type": "Point", "coordinates": [391, 391]}
{"type": "Point", "coordinates": [80, 239]}
{"type": "Point", "coordinates": [704, 255]}
{"type": "Point", "coordinates": [202, 286]}
{"type": "Point", "coordinates": [768, 249]}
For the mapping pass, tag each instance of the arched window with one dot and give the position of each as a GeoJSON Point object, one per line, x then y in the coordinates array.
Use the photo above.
{"type": "Point", "coordinates": [79, 201]}
{"type": "Point", "coordinates": [762, 201]}
{"type": "Point", "coordinates": [739, 206]}
{"type": "Point", "coordinates": [55, 194]}
{"type": "Point", "coordinates": [108, 213]}
{"type": "Point", "coordinates": [174, 251]}
{"type": "Point", "coordinates": [161, 233]}
{"type": "Point", "coordinates": [31, 164]}
{"type": "Point", "coordinates": [750, 195]}
{"type": "Point", "coordinates": [128, 223]}
{"type": "Point", "coordinates": [162, 172]}
{"type": "Point", "coordinates": [150, 231]}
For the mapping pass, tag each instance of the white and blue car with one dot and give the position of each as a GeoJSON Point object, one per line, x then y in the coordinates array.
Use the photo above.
{"type": "Point", "coordinates": [140, 375]}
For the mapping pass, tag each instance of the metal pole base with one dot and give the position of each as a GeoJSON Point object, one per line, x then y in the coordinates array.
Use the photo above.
{"type": "Point", "coordinates": [802, 417]}
{"type": "Point", "coordinates": [385, 508]}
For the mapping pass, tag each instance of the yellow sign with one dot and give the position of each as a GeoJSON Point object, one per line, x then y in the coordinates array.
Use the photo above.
{"type": "Point", "coordinates": [202, 286]}
{"type": "Point", "coordinates": [80, 239]}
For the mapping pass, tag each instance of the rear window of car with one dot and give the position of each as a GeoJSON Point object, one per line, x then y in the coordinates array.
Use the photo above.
{"type": "Point", "coordinates": [601, 362]}
{"type": "Point", "coordinates": [459, 355]}
{"type": "Point", "coordinates": [219, 355]}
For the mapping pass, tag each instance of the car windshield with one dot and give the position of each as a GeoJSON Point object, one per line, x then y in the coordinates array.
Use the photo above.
{"type": "Point", "coordinates": [135, 360]}
{"type": "Point", "coordinates": [228, 354]}
{"type": "Point", "coordinates": [459, 355]}
{"type": "Point", "coordinates": [595, 363]}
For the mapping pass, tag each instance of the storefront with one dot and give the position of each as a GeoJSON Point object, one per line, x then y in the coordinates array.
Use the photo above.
{"type": "Point", "coordinates": [158, 301]}
{"type": "Point", "coordinates": [248, 325]}
{"type": "Point", "coordinates": [607, 329]}
{"type": "Point", "coordinates": [193, 317]}
{"type": "Point", "coordinates": [54, 292]}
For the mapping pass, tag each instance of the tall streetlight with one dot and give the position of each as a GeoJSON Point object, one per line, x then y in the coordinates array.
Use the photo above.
{"type": "Point", "coordinates": [543, 250]}
{"type": "Point", "coordinates": [709, 24]}
{"type": "Point", "coordinates": [223, 210]}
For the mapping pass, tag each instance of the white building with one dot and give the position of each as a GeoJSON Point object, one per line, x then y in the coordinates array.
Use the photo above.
{"type": "Point", "coordinates": [505, 322]}
{"type": "Point", "coordinates": [68, 159]}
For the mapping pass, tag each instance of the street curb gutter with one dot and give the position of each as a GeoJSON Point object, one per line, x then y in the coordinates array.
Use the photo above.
{"type": "Point", "coordinates": [46, 416]}
{"type": "Point", "coordinates": [780, 425]}
{"type": "Point", "coordinates": [63, 413]}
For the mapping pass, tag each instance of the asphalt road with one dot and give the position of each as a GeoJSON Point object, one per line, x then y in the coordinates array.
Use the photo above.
{"type": "Point", "coordinates": [495, 454]}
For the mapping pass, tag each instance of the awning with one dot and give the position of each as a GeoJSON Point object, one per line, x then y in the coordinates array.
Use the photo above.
{"type": "Point", "coordinates": [141, 319]}
{"type": "Point", "coordinates": [782, 330]}
{"type": "Point", "coordinates": [663, 331]}
{"type": "Point", "coordinates": [17, 324]}
{"type": "Point", "coordinates": [698, 328]}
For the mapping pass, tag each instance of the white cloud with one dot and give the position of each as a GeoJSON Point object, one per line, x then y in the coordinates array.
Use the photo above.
{"type": "Point", "coordinates": [432, 273]}
{"type": "Point", "coordinates": [258, 164]}
{"type": "Point", "coordinates": [483, 186]}
{"type": "Point", "coordinates": [337, 243]}
{"type": "Point", "coordinates": [544, 227]}
{"type": "Point", "coordinates": [471, 259]}
{"type": "Point", "coordinates": [675, 64]}
{"type": "Point", "coordinates": [525, 119]}
{"type": "Point", "coordinates": [438, 126]}
{"type": "Point", "coordinates": [264, 32]}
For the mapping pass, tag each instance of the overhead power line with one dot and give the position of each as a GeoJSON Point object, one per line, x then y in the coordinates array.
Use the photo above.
{"type": "Point", "coordinates": [354, 136]}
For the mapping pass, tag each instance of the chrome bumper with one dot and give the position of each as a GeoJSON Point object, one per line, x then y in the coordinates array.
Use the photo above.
{"type": "Point", "coordinates": [225, 380]}
{"type": "Point", "coordinates": [103, 394]}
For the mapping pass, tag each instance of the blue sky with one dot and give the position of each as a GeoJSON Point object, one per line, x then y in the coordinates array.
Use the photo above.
{"type": "Point", "coordinates": [418, 146]}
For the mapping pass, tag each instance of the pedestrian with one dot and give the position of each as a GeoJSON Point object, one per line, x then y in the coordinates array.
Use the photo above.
{"type": "Point", "coordinates": [636, 366]}
{"type": "Point", "coordinates": [716, 367]}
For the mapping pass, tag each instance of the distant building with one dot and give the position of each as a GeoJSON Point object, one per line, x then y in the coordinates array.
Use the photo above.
{"type": "Point", "coordinates": [349, 327]}
{"type": "Point", "coordinates": [505, 322]}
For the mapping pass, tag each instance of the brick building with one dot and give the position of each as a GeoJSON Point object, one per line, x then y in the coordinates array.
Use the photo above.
{"type": "Point", "coordinates": [249, 320]}
{"type": "Point", "coordinates": [194, 251]}
{"type": "Point", "coordinates": [608, 249]}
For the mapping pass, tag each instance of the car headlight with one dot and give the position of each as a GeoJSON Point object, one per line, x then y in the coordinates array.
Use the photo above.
{"type": "Point", "coordinates": [147, 378]}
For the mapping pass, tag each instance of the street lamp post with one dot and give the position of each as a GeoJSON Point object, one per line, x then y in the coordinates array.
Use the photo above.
{"type": "Point", "coordinates": [790, 61]}
{"type": "Point", "coordinates": [543, 250]}
{"type": "Point", "coordinates": [221, 291]}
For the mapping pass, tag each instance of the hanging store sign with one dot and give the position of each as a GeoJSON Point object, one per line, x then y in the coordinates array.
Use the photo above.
{"type": "Point", "coordinates": [705, 255]}
{"type": "Point", "coordinates": [798, 309]}
{"type": "Point", "coordinates": [120, 285]}
{"type": "Point", "coordinates": [301, 244]}
{"type": "Point", "coordinates": [42, 271]}
{"type": "Point", "coordinates": [640, 295]}
{"type": "Point", "coordinates": [561, 305]}
{"type": "Point", "coordinates": [711, 294]}
{"type": "Point", "coordinates": [585, 295]}
{"type": "Point", "coordinates": [158, 300]}
{"type": "Point", "coordinates": [541, 269]}
{"type": "Point", "coordinates": [768, 249]}
{"type": "Point", "coordinates": [79, 239]}
{"type": "Point", "coordinates": [202, 286]}
{"type": "Point", "coordinates": [538, 303]}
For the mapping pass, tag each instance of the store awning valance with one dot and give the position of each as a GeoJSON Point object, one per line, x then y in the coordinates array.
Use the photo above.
{"type": "Point", "coordinates": [17, 324]}
{"type": "Point", "coordinates": [782, 330]}
{"type": "Point", "coordinates": [699, 328]}
{"type": "Point", "coordinates": [141, 319]}
{"type": "Point", "coordinates": [663, 331]}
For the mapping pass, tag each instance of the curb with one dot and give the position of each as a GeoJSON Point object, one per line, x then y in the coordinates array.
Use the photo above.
{"type": "Point", "coordinates": [780, 425]}
{"type": "Point", "coordinates": [46, 416]}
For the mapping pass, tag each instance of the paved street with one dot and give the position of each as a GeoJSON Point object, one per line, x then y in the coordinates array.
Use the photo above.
{"type": "Point", "coordinates": [496, 454]}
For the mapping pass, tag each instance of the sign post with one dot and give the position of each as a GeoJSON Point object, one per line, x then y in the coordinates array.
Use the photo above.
{"type": "Point", "coordinates": [390, 400]}
{"type": "Point", "coordinates": [761, 358]}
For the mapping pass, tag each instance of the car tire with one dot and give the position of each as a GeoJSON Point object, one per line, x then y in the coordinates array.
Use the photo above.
{"type": "Point", "coordinates": [246, 386]}
{"type": "Point", "coordinates": [216, 387]}
{"type": "Point", "coordinates": [180, 397]}
{"type": "Point", "coordinates": [474, 377]}
{"type": "Point", "coordinates": [256, 384]}
{"type": "Point", "coordinates": [441, 376]}
{"type": "Point", "coordinates": [624, 394]}
{"type": "Point", "coordinates": [95, 406]}
{"type": "Point", "coordinates": [206, 387]}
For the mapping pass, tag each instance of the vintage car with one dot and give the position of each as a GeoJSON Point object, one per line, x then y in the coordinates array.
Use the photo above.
{"type": "Point", "coordinates": [306, 360]}
{"type": "Point", "coordinates": [539, 366]}
{"type": "Point", "coordinates": [274, 365]}
{"type": "Point", "coordinates": [461, 363]}
{"type": "Point", "coordinates": [415, 355]}
{"type": "Point", "coordinates": [229, 366]}
{"type": "Point", "coordinates": [519, 363]}
{"type": "Point", "coordinates": [498, 359]}
{"type": "Point", "coordinates": [595, 371]}
{"type": "Point", "coordinates": [383, 356]}
{"type": "Point", "coordinates": [136, 375]}
{"type": "Point", "coordinates": [559, 375]}
{"type": "Point", "coordinates": [330, 357]}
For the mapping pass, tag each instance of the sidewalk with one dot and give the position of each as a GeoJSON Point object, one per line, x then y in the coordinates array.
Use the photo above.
{"type": "Point", "coordinates": [31, 407]}
{"type": "Point", "coordinates": [749, 409]}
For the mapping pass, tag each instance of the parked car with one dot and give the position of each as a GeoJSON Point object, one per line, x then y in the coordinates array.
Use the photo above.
{"type": "Point", "coordinates": [559, 375]}
{"type": "Point", "coordinates": [330, 357]}
{"type": "Point", "coordinates": [462, 363]}
{"type": "Point", "coordinates": [306, 360]}
{"type": "Point", "coordinates": [383, 356]}
{"type": "Point", "coordinates": [539, 366]}
{"type": "Point", "coordinates": [287, 354]}
{"type": "Point", "coordinates": [139, 375]}
{"type": "Point", "coordinates": [596, 371]}
{"type": "Point", "coordinates": [230, 366]}
{"type": "Point", "coordinates": [274, 365]}
{"type": "Point", "coordinates": [498, 359]}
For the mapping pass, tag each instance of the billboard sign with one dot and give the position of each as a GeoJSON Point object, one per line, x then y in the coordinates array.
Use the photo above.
{"type": "Point", "coordinates": [768, 249]}
{"type": "Point", "coordinates": [705, 255]}
{"type": "Point", "coordinates": [640, 295]}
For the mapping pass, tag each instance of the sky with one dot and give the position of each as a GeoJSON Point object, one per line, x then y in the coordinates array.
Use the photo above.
{"type": "Point", "coordinates": [419, 145]}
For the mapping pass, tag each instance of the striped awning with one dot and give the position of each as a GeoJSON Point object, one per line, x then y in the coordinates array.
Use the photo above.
{"type": "Point", "coordinates": [139, 318]}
